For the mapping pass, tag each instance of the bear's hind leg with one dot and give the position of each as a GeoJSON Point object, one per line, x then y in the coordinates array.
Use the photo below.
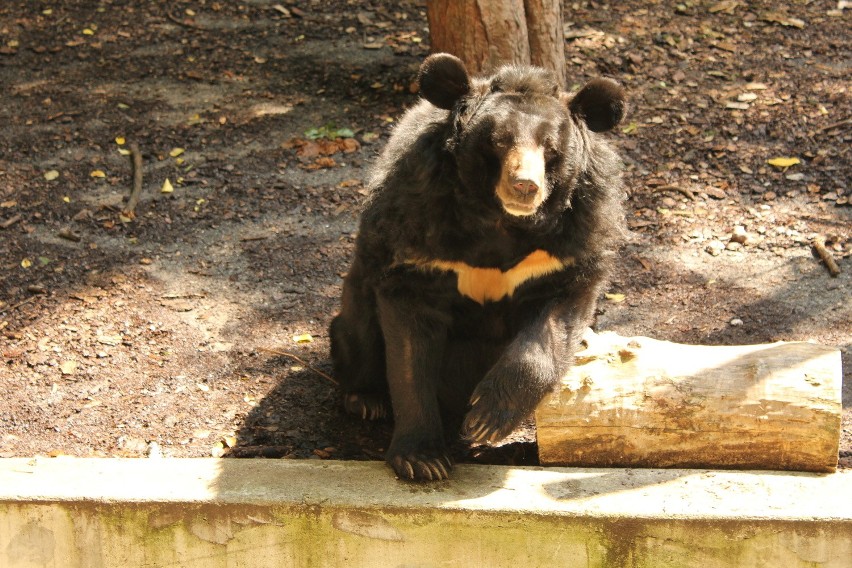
{"type": "Point", "coordinates": [358, 353]}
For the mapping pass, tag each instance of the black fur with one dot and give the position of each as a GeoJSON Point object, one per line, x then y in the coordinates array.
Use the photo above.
{"type": "Point", "coordinates": [406, 338]}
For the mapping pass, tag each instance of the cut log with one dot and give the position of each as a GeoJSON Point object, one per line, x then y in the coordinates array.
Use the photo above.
{"type": "Point", "coordinates": [635, 401]}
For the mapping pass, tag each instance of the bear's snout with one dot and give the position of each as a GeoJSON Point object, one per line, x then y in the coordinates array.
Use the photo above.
{"type": "Point", "coordinates": [522, 182]}
{"type": "Point", "coordinates": [524, 188]}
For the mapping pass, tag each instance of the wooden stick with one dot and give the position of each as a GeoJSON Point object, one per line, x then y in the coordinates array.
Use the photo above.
{"type": "Point", "coordinates": [825, 255]}
{"type": "Point", "coordinates": [269, 452]}
{"type": "Point", "coordinates": [136, 163]}
{"type": "Point", "coordinates": [10, 221]}
{"type": "Point", "coordinates": [635, 401]}
{"type": "Point", "coordinates": [301, 361]}
{"type": "Point", "coordinates": [21, 303]}
{"type": "Point", "coordinates": [835, 125]}
{"type": "Point", "coordinates": [184, 23]}
{"type": "Point", "coordinates": [672, 187]}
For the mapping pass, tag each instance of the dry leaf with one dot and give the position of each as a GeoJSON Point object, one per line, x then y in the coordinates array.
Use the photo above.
{"type": "Point", "coordinates": [614, 297]}
{"type": "Point", "coordinates": [26, 263]}
{"type": "Point", "coordinates": [783, 162]}
{"type": "Point", "coordinates": [783, 19]}
{"type": "Point", "coordinates": [51, 175]}
{"type": "Point", "coordinates": [726, 6]}
{"type": "Point", "coordinates": [120, 140]}
{"type": "Point", "coordinates": [98, 174]}
{"type": "Point", "coordinates": [167, 187]}
{"type": "Point", "coordinates": [176, 152]}
{"type": "Point", "coordinates": [303, 338]}
{"type": "Point", "coordinates": [282, 10]}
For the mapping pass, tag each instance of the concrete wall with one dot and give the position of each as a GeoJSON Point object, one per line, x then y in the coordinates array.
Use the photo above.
{"type": "Point", "coordinates": [69, 513]}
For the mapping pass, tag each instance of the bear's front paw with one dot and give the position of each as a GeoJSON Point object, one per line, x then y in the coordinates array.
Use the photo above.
{"type": "Point", "coordinates": [492, 417]}
{"type": "Point", "coordinates": [424, 464]}
{"type": "Point", "coordinates": [366, 405]}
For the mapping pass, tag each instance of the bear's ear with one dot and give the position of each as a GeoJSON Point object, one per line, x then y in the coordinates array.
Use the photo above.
{"type": "Point", "coordinates": [600, 104]}
{"type": "Point", "coordinates": [443, 80]}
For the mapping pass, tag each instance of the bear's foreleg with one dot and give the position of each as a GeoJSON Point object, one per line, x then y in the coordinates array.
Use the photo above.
{"type": "Point", "coordinates": [414, 347]}
{"type": "Point", "coordinates": [529, 368]}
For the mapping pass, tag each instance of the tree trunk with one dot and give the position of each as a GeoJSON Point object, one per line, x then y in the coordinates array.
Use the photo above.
{"type": "Point", "coordinates": [547, 43]}
{"type": "Point", "coordinates": [642, 402]}
{"type": "Point", "coordinates": [487, 33]}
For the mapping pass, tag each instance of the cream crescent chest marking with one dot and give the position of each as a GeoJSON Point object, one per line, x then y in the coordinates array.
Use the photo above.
{"type": "Point", "coordinates": [492, 284]}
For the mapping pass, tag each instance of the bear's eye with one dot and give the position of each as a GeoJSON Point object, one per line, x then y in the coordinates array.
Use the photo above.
{"type": "Point", "coordinates": [551, 153]}
{"type": "Point", "coordinates": [500, 142]}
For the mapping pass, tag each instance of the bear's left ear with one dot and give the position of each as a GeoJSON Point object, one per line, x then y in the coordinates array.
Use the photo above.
{"type": "Point", "coordinates": [601, 104]}
{"type": "Point", "coordinates": [443, 80]}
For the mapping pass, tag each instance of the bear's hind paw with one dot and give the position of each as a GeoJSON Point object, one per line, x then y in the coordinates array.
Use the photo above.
{"type": "Point", "coordinates": [367, 406]}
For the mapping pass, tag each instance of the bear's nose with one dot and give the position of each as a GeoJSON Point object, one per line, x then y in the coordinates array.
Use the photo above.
{"type": "Point", "coordinates": [524, 187]}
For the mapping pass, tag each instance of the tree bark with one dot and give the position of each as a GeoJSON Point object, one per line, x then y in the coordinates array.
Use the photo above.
{"type": "Point", "coordinates": [547, 43]}
{"type": "Point", "coordinates": [641, 402]}
{"type": "Point", "coordinates": [487, 33]}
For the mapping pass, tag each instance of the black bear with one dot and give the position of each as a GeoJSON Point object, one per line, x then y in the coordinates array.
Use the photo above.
{"type": "Point", "coordinates": [494, 213]}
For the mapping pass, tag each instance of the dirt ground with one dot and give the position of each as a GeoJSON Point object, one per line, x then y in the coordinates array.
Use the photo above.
{"type": "Point", "coordinates": [127, 335]}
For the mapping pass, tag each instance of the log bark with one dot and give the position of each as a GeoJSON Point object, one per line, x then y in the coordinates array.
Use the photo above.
{"type": "Point", "coordinates": [487, 33]}
{"type": "Point", "coordinates": [648, 403]}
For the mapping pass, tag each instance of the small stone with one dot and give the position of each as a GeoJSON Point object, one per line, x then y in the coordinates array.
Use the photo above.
{"type": "Point", "coordinates": [734, 246]}
{"type": "Point", "coordinates": [715, 248]}
{"type": "Point", "coordinates": [741, 236]}
{"type": "Point", "coordinates": [736, 322]}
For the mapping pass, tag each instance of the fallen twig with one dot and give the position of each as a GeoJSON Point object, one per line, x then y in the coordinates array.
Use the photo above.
{"type": "Point", "coordinates": [19, 304]}
{"type": "Point", "coordinates": [136, 163]}
{"type": "Point", "coordinates": [672, 187]}
{"type": "Point", "coordinates": [10, 221]}
{"type": "Point", "coordinates": [825, 255]}
{"type": "Point", "coordinates": [184, 23]}
{"type": "Point", "coordinates": [835, 125]}
{"type": "Point", "coordinates": [301, 361]}
{"type": "Point", "coordinates": [269, 452]}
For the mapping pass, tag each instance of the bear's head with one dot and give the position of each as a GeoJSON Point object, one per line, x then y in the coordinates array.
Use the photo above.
{"type": "Point", "coordinates": [515, 134]}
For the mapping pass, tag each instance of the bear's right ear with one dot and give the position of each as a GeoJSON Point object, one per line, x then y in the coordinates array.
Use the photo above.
{"type": "Point", "coordinates": [443, 80]}
{"type": "Point", "coordinates": [601, 104]}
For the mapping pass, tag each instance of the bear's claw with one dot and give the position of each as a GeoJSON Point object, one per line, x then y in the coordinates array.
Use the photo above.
{"type": "Point", "coordinates": [489, 419]}
{"type": "Point", "coordinates": [366, 406]}
{"type": "Point", "coordinates": [429, 465]}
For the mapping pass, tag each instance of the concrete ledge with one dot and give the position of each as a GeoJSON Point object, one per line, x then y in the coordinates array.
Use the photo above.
{"type": "Point", "coordinates": [68, 513]}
